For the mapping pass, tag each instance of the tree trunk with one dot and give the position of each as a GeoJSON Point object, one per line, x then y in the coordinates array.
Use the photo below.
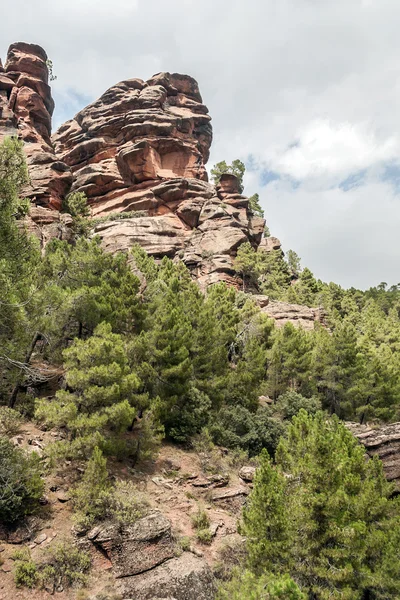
{"type": "Point", "coordinates": [13, 398]}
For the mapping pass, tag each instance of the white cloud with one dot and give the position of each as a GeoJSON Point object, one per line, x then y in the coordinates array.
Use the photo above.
{"type": "Point", "coordinates": [320, 73]}
{"type": "Point", "coordinates": [332, 151]}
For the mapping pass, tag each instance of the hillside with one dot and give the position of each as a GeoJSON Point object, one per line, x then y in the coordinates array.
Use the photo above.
{"type": "Point", "coordinates": [185, 411]}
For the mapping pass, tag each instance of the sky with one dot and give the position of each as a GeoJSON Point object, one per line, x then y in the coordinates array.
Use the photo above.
{"type": "Point", "coordinates": [305, 92]}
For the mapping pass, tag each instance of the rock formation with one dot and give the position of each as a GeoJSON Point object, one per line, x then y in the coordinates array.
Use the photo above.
{"type": "Point", "coordinates": [26, 107]}
{"type": "Point", "coordinates": [383, 442]}
{"type": "Point", "coordinates": [140, 148]}
{"type": "Point", "coordinates": [143, 147]}
{"type": "Point", "coordinates": [145, 564]}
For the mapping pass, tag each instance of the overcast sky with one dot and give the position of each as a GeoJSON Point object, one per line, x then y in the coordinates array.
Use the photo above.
{"type": "Point", "coordinates": [305, 92]}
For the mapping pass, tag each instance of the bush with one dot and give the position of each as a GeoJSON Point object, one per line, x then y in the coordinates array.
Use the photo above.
{"type": "Point", "coordinates": [95, 499]}
{"type": "Point", "coordinates": [238, 427]}
{"type": "Point", "coordinates": [25, 574]}
{"type": "Point", "coordinates": [184, 543]}
{"type": "Point", "coordinates": [20, 482]}
{"type": "Point", "coordinates": [246, 586]}
{"type": "Point", "coordinates": [91, 496]}
{"type": "Point", "coordinates": [65, 565]}
{"type": "Point", "coordinates": [10, 421]}
{"type": "Point", "coordinates": [290, 404]}
{"type": "Point", "coordinates": [204, 536]}
{"type": "Point", "coordinates": [200, 519]}
{"type": "Point", "coordinates": [126, 504]}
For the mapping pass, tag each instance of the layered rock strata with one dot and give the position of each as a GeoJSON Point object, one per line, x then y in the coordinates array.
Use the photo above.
{"type": "Point", "coordinates": [144, 561]}
{"type": "Point", "coordinates": [141, 148]}
{"type": "Point", "coordinates": [383, 442]}
{"type": "Point", "coordinates": [26, 106]}
{"type": "Point", "coordinates": [299, 315]}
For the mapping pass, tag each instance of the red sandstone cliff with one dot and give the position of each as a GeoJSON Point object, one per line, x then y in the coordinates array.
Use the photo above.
{"type": "Point", "coordinates": [142, 146]}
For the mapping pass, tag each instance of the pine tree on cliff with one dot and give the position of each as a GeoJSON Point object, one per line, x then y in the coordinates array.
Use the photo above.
{"type": "Point", "coordinates": [237, 168]}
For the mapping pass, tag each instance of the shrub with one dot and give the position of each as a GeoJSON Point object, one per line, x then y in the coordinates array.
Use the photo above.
{"type": "Point", "coordinates": [95, 499]}
{"type": "Point", "coordinates": [10, 421]}
{"type": "Point", "coordinates": [91, 496]}
{"type": "Point", "coordinates": [246, 586]}
{"type": "Point", "coordinates": [65, 565]}
{"type": "Point", "coordinates": [238, 427]}
{"type": "Point", "coordinates": [289, 405]}
{"type": "Point", "coordinates": [126, 504]}
{"type": "Point", "coordinates": [231, 555]}
{"type": "Point", "coordinates": [184, 543]}
{"type": "Point", "coordinates": [209, 455]}
{"type": "Point", "coordinates": [25, 573]}
{"type": "Point", "coordinates": [204, 536]}
{"type": "Point", "coordinates": [20, 482]}
{"type": "Point", "coordinates": [200, 519]}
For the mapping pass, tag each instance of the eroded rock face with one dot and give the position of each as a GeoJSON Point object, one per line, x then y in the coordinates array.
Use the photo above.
{"type": "Point", "coordinates": [145, 565]}
{"type": "Point", "coordinates": [26, 107]}
{"type": "Point", "coordinates": [297, 314]}
{"type": "Point", "coordinates": [142, 146]}
{"type": "Point", "coordinates": [383, 442]}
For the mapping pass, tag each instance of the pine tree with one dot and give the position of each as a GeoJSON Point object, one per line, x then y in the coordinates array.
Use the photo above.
{"type": "Point", "coordinates": [343, 521]}
{"type": "Point", "coordinates": [290, 361]}
{"type": "Point", "coordinates": [266, 521]}
{"type": "Point", "coordinates": [99, 403]}
{"type": "Point", "coordinates": [237, 168]}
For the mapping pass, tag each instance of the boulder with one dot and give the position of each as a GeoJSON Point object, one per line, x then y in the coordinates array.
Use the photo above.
{"type": "Point", "coordinates": [186, 577]}
{"type": "Point", "coordinates": [136, 548]}
{"type": "Point", "coordinates": [247, 473]}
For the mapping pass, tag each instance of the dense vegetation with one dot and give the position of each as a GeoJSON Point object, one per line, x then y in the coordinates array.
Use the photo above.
{"type": "Point", "coordinates": [148, 355]}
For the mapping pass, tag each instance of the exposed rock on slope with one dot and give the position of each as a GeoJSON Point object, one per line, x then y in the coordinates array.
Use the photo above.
{"type": "Point", "coordinates": [383, 442]}
{"type": "Point", "coordinates": [26, 107]}
{"type": "Point", "coordinates": [297, 314]}
{"type": "Point", "coordinates": [142, 146]}
{"type": "Point", "coordinates": [145, 565]}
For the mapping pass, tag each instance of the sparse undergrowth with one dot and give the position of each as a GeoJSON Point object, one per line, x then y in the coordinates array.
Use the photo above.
{"type": "Point", "coordinates": [62, 565]}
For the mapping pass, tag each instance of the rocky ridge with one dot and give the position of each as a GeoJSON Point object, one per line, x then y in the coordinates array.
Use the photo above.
{"type": "Point", "coordinates": [139, 154]}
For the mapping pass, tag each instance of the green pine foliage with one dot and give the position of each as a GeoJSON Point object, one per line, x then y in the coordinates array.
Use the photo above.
{"type": "Point", "coordinates": [324, 515]}
{"type": "Point", "coordinates": [21, 485]}
{"type": "Point", "coordinates": [247, 586]}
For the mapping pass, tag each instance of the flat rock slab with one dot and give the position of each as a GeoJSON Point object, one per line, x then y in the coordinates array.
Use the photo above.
{"type": "Point", "coordinates": [185, 578]}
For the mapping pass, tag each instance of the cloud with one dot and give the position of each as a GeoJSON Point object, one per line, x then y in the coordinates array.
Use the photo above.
{"type": "Point", "coordinates": [333, 151]}
{"type": "Point", "coordinates": [308, 88]}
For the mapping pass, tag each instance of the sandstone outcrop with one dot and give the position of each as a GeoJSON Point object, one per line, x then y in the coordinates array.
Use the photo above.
{"type": "Point", "coordinates": [141, 148]}
{"type": "Point", "coordinates": [383, 442]}
{"type": "Point", "coordinates": [297, 314]}
{"type": "Point", "coordinates": [144, 561]}
{"type": "Point", "coordinates": [26, 106]}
